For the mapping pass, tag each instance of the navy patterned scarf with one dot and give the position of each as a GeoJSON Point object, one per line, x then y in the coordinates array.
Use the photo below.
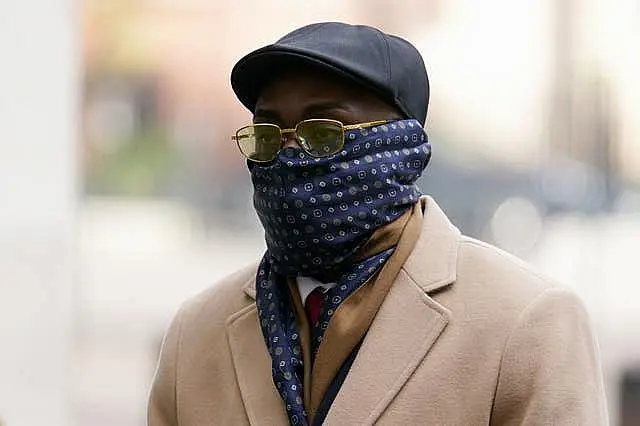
{"type": "Point", "coordinates": [317, 213]}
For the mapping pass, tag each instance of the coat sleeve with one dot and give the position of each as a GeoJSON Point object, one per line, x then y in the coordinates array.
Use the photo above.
{"type": "Point", "coordinates": [162, 408]}
{"type": "Point", "coordinates": [550, 369]}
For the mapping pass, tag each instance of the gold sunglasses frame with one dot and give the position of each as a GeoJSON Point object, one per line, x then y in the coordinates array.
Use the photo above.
{"type": "Point", "coordinates": [284, 132]}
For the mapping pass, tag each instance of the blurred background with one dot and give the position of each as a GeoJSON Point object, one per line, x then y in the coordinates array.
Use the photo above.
{"type": "Point", "coordinates": [121, 193]}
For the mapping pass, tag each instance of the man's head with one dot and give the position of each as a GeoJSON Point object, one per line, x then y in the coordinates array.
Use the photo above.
{"type": "Point", "coordinates": [354, 99]}
{"type": "Point", "coordinates": [358, 64]}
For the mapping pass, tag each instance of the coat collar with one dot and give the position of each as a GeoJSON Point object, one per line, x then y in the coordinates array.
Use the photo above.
{"type": "Point", "coordinates": [438, 238]}
{"type": "Point", "coordinates": [432, 264]}
{"type": "Point", "coordinates": [405, 328]}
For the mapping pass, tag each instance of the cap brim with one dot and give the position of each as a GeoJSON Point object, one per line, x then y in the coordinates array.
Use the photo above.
{"type": "Point", "coordinates": [254, 71]}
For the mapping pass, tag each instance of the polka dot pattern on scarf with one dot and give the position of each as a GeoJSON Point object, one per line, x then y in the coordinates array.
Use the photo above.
{"type": "Point", "coordinates": [317, 213]}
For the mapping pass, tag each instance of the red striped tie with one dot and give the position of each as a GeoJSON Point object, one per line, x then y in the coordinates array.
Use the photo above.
{"type": "Point", "coordinates": [313, 304]}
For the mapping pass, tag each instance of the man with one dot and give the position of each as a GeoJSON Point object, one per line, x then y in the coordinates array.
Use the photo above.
{"type": "Point", "coordinates": [368, 305]}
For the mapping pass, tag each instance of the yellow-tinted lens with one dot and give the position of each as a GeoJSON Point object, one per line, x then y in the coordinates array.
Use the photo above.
{"type": "Point", "coordinates": [259, 142]}
{"type": "Point", "coordinates": [321, 138]}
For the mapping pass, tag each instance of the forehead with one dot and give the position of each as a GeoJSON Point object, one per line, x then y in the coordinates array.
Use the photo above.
{"type": "Point", "coordinates": [298, 86]}
{"type": "Point", "coordinates": [299, 94]}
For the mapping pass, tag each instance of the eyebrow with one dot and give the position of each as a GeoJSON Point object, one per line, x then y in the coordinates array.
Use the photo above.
{"type": "Point", "coordinates": [310, 110]}
{"type": "Point", "coordinates": [267, 114]}
{"type": "Point", "coordinates": [323, 107]}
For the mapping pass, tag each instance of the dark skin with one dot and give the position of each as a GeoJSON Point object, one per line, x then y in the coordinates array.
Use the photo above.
{"type": "Point", "coordinates": [306, 93]}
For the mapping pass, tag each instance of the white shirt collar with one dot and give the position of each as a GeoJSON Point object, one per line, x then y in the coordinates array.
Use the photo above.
{"type": "Point", "coordinates": [307, 284]}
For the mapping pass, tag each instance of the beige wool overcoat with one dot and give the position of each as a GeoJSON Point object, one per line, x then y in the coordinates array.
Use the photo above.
{"type": "Point", "coordinates": [467, 335]}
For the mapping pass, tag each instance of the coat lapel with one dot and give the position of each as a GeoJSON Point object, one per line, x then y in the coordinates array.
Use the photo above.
{"type": "Point", "coordinates": [405, 328]}
{"type": "Point", "coordinates": [253, 369]}
{"type": "Point", "coordinates": [402, 333]}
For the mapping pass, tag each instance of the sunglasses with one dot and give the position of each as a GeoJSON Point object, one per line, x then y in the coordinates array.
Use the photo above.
{"type": "Point", "coordinates": [317, 137]}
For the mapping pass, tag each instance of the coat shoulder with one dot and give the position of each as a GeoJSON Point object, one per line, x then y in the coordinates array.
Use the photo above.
{"type": "Point", "coordinates": [499, 282]}
{"type": "Point", "coordinates": [216, 303]}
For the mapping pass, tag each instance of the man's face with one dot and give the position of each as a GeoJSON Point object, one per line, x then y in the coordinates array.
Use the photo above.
{"type": "Point", "coordinates": [307, 93]}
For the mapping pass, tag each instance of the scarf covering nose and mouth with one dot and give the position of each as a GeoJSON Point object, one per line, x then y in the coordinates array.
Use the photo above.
{"type": "Point", "coordinates": [317, 214]}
